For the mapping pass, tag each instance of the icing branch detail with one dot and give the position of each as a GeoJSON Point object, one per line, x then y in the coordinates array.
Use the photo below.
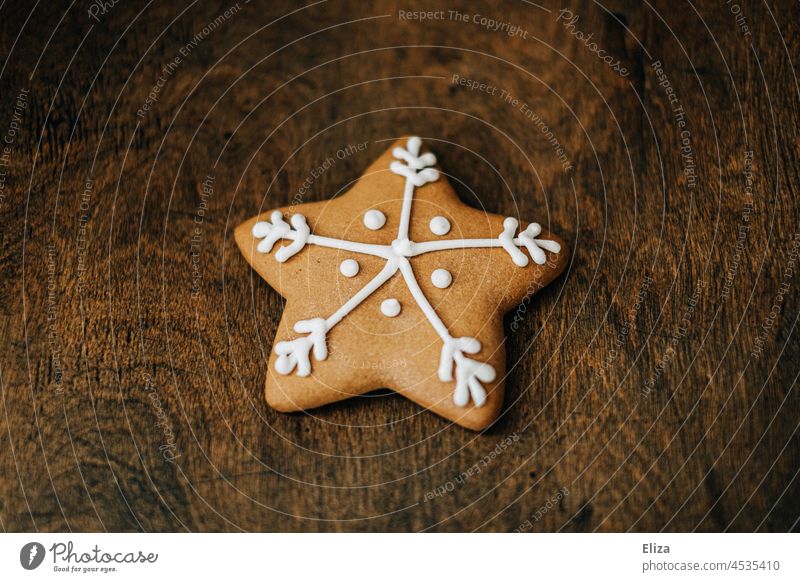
{"type": "Point", "coordinates": [507, 240]}
{"type": "Point", "coordinates": [278, 229]}
{"type": "Point", "coordinates": [416, 168]}
{"type": "Point", "coordinates": [527, 238]}
{"type": "Point", "coordinates": [295, 353]}
{"type": "Point", "coordinates": [468, 374]}
{"type": "Point", "coordinates": [417, 171]}
{"type": "Point", "coordinates": [535, 246]}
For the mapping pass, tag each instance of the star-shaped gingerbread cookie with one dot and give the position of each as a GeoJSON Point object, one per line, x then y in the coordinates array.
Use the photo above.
{"type": "Point", "coordinates": [396, 284]}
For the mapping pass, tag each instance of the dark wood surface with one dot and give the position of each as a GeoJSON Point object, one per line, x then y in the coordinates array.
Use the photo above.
{"type": "Point", "coordinates": [652, 387]}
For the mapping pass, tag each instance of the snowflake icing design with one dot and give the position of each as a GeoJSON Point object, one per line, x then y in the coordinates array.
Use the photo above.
{"type": "Point", "coordinates": [454, 364]}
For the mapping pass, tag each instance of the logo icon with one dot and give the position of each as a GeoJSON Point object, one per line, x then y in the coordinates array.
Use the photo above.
{"type": "Point", "coordinates": [31, 555]}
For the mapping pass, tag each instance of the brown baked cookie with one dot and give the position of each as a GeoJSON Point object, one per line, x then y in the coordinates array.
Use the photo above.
{"type": "Point", "coordinates": [396, 284]}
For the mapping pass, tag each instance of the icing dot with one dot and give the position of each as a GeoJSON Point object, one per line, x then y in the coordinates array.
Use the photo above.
{"type": "Point", "coordinates": [441, 278]}
{"type": "Point", "coordinates": [440, 225]}
{"type": "Point", "coordinates": [349, 268]}
{"type": "Point", "coordinates": [374, 219]}
{"type": "Point", "coordinates": [390, 307]}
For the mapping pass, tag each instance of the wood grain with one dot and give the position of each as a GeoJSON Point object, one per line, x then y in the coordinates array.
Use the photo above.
{"type": "Point", "coordinates": [651, 387]}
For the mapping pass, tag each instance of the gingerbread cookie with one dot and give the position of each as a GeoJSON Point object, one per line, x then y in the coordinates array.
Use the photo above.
{"type": "Point", "coordinates": [396, 284]}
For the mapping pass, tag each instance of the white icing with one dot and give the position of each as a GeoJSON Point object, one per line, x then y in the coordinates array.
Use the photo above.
{"type": "Point", "coordinates": [295, 353]}
{"type": "Point", "coordinates": [441, 278]}
{"type": "Point", "coordinates": [390, 307]}
{"type": "Point", "coordinates": [349, 268]}
{"type": "Point", "coordinates": [386, 273]}
{"type": "Point", "coordinates": [537, 247]}
{"type": "Point", "coordinates": [345, 245]}
{"type": "Point", "coordinates": [402, 247]}
{"type": "Point", "coordinates": [439, 225]}
{"type": "Point", "coordinates": [374, 219]}
{"type": "Point", "coordinates": [507, 240]}
{"type": "Point", "coordinates": [278, 229]}
{"type": "Point", "coordinates": [468, 374]}
{"type": "Point", "coordinates": [417, 172]}
{"type": "Point", "coordinates": [271, 233]}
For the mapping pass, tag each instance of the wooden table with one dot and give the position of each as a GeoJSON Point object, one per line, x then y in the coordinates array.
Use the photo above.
{"type": "Point", "coordinates": [652, 387]}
